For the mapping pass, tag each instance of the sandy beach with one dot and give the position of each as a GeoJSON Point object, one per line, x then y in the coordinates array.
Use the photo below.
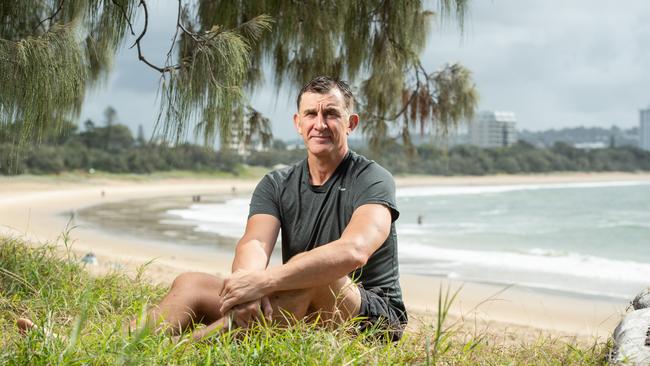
{"type": "Point", "coordinates": [39, 210]}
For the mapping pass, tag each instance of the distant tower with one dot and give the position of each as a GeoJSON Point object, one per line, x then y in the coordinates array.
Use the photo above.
{"type": "Point", "coordinates": [644, 129]}
{"type": "Point", "coordinates": [493, 129]}
{"type": "Point", "coordinates": [141, 140]}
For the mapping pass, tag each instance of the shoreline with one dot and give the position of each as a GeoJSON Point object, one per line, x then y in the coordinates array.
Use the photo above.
{"type": "Point", "coordinates": [36, 211]}
{"type": "Point", "coordinates": [148, 219]}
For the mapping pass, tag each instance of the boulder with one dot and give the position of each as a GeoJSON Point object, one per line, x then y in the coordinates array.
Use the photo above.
{"type": "Point", "coordinates": [632, 339]}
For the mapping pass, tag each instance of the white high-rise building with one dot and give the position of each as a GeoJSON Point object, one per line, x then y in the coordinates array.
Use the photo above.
{"type": "Point", "coordinates": [644, 129]}
{"type": "Point", "coordinates": [493, 129]}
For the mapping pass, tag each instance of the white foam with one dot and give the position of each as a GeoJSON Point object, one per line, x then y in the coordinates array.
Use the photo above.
{"type": "Point", "coordinates": [536, 261]}
{"type": "Point", "coordinates": [227, 218]}
{"type": "Point", "coordinates": [468, 190]}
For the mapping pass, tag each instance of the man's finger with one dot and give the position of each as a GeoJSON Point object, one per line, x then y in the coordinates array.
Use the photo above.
{"type": "Point", "coordinates": [227, 305]}
{"type": "Point", "coordinates": [225, 288]}
{"type": "Point", "coordinates": [267, 309]}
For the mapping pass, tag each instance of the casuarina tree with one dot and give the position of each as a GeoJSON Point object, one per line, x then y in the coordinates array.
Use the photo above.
{"type": "Point", "coordinates": [53, 51]}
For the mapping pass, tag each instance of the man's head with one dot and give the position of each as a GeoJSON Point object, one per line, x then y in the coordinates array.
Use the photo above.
{"type": "Point", "coordinates": [325, 116]}
{"type": "Point", "coordinates": [322, 85]}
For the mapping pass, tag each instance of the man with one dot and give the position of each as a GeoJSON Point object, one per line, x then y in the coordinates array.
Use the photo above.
{"type": "Point", "coordinates": [336, 211]}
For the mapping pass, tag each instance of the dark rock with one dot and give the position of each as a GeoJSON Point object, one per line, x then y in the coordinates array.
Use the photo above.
{"type": "Point", "coordinates": [642, 300]}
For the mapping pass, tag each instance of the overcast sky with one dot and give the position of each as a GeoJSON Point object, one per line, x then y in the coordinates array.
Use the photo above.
{"type": "Point", "coordinates": [554, 63]}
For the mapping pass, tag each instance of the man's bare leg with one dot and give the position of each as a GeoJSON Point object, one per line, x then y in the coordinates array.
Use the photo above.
{"type": "Point", "coordinates": [194, 299]}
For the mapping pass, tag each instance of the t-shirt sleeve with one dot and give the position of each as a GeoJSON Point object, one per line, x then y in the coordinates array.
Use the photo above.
{"type": "Point", "coordinates": [264, 199]}
{"type": "Point", "coordinates": [376, 185]}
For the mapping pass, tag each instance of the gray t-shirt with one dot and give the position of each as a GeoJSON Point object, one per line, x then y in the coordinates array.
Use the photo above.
{"type": "Point", "coordinates": [311, 216]}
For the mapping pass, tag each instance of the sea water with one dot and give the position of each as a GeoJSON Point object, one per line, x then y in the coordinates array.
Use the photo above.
{"type": "Point", "coordinates": [589, 239]}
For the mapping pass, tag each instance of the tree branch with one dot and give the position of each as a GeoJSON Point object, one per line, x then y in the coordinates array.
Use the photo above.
{"type": "Point", "coordinates": [128, 21]}
{"type": "Point", "coordinates": [137, 43]}
{"type": "Point", "coordinates": [178, 21]}
{"type": "Point", "coordinates": [51, 17]}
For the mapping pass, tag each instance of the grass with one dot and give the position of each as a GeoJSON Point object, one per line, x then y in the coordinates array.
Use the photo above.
{"type": "Point", "coordinates": [241, 172]}
{"type": "Point", "coordinates": [89, 313]}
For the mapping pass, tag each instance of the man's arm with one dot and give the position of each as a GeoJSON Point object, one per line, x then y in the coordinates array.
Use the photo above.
{"type": "Point", "coordinates": [254, 249]}
{"type": "Point", "coordinates": [367, 231]}
{"type": "Point", "coordinates": [252, 254]}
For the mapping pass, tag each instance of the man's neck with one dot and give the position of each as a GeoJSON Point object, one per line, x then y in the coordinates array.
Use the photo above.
{"type": "Point", "coordinates": [321, 168]}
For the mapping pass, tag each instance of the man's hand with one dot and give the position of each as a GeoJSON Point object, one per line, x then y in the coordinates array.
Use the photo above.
{"type": "Point", "coordinates": [242, 287]}
{"type": "Point", "coordinates": [245, 314]}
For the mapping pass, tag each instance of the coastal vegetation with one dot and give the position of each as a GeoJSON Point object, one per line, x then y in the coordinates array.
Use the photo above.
{"type": "Point", "coordinates": [113, 149]}
{"type": "Point", "coordinates": [81, 320]}
{"type": "Point", "coordinates": [52, 52]}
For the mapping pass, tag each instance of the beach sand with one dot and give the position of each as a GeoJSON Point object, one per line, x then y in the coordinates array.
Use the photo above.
{"type": "Point", "coordinates": [39, 210]}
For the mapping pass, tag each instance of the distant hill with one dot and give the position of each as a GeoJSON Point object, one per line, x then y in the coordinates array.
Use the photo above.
{"type": "Point", "coordinates": [613, 136]}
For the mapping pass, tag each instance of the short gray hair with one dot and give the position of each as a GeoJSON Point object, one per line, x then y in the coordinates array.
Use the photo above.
{"type": "Point", "coordinates": [323, 84]}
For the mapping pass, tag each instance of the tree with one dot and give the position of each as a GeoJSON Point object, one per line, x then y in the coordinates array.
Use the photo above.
{"type": "Point", "coordinates": [51, 51]}
{"type": "Point", "coordinates": [375, 43]}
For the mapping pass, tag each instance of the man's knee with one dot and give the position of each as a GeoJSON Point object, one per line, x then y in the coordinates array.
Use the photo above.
{"type": "Point", "coordinates": [196, 280]}
{"type": "Point", "coordinates": [326, 298]}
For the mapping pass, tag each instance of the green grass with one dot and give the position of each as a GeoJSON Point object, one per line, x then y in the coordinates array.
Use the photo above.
{"type": "Point", "coordinates": [89, 313]}
{"type": "Point", "coordinates": [241, 172]}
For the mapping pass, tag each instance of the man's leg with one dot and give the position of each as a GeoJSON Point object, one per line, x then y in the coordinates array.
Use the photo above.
{"type": "Point", "coordinates": [194, 298]}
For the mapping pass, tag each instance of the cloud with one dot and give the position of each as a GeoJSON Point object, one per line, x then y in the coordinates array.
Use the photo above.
{"type": "Point", "coordinates": [555, 63]}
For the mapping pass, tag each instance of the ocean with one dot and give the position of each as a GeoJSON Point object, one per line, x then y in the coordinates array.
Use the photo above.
{"type": "Point", "coordinates": [583, 239]}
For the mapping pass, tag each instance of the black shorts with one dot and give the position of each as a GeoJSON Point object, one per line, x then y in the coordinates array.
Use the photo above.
{"type": "Point", "coordinates": [377, 311]}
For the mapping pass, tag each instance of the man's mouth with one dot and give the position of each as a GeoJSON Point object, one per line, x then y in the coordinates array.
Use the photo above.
{"type": "Point", "coordinates": [321, 137]}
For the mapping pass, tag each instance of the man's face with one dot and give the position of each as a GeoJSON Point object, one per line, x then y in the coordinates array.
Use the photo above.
{"type": "Point", "coordinates": [324, 122]}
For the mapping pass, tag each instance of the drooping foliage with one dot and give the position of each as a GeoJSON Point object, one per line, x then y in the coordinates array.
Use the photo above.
{"type": "Point", "coordinates": [52, 51]}
{"type": "Point", "coordinates": [375, 44]}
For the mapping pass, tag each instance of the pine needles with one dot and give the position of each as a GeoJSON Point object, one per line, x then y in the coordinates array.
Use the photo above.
{"type": "Point", "coordinates": [375, 44]}
{"type": "Point", "coordinates": [44, 81]}
{"type": "Point", "coordinates": [50, 53]}
{"type": "Point", "coordinates": [207, 87]}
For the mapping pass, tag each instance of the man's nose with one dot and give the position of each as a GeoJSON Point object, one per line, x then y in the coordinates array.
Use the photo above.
{"type": "Point", "coordinates": [320, 122]}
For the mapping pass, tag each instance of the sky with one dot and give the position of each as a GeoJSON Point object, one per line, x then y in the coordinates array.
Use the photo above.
{"type": "Point", "coordinates": [553, 63]}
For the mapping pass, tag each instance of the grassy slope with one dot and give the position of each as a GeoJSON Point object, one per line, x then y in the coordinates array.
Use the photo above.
{"type": "Point", "coordinates": [89, 314]}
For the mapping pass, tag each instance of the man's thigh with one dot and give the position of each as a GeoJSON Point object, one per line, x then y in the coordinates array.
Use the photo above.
{"type": "Point", "coordinates": [330, 304]}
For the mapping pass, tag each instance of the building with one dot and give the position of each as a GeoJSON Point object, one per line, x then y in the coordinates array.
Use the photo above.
{"type": "Point", "coordinates": [644, 129]}
{"type": "Point", "coordinates": [238, 143]}
{"type": "Point", "coordinates": [493, 129]}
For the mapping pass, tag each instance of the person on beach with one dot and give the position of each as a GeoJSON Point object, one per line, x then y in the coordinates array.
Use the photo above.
{"type": "Point", "coordinates": [336, 212]}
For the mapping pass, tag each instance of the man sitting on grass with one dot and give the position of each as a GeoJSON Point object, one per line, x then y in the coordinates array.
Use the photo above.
{"type": "Point", "coordinates": [336, 212]}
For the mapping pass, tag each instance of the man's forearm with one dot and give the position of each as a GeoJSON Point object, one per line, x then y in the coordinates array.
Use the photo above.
{"type": "Point", "coordinates": [317, 267]}
{"type": "Point", "coordinates": [250, 255]}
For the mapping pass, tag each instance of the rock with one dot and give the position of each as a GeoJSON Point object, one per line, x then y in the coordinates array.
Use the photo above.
{"type": "Point", "coordinates": [642, 300]}
{"type": "Point", "coordinates": [632, 339]}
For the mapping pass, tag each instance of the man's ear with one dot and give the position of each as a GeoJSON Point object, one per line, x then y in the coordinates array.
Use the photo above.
{"type": "Point", "coordinates": [296, 122]}
{"type": "Point", "coordinates": [353, 122]}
